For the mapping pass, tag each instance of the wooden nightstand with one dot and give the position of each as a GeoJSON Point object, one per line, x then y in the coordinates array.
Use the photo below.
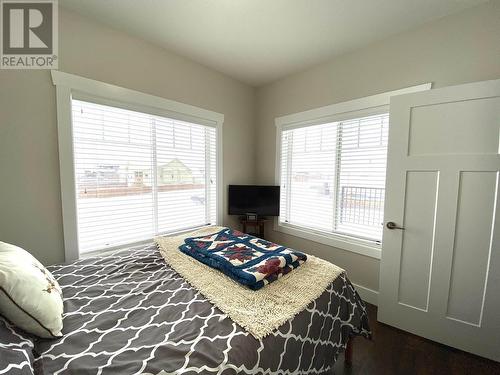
{"type": "Point", "coordinates": [258, 226]}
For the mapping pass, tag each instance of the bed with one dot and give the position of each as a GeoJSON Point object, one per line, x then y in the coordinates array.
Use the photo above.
{"type": "Point", "coordinates": [130, 313]}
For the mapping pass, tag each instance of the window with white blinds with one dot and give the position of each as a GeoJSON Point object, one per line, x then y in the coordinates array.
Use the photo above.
{"type": "Point", "coordinates": [138, 175]}
{"type": "Point", "coordinates": [333, 176]}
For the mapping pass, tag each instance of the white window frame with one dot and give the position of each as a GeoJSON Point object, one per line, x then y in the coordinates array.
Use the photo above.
{"type": "Point", "coordinates": [70, 86]}
{"type": "Point", "coordinates": [370, 105]}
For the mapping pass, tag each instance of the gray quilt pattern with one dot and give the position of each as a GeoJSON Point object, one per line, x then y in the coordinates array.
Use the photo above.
{"type": "Point", "coordinates": [129, 313]}
{"type": "Point", "coordinates": [16, 350]}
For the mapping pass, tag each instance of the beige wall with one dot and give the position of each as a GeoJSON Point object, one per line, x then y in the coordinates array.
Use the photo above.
{"type": "Point", "coordinates": [30, 206]}
{"type": "Point", "coordinates": [460, 48]}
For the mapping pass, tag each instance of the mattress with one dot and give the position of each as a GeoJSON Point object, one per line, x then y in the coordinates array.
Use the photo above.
{"type": "Point", "coordinates": [130, 313]}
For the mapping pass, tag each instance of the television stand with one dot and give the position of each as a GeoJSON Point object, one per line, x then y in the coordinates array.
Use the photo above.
{"type": "Point", "coordinates": [257, 225]}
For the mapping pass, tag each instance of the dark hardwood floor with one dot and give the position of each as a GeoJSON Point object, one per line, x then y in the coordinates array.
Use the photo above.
{"type": "Point", "coordinates": [393, 351]}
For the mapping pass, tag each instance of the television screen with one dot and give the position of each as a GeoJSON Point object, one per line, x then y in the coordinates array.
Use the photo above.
{"type": "Point", "coordinates": [261, 200]}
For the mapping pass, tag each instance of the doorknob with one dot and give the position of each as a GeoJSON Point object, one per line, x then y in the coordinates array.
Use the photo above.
{"type": "Point", "coordinates": [393, 225]}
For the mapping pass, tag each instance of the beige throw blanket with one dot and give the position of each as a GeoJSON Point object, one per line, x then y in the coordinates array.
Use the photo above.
{"type": "Point", "coordinates": [259, 312]}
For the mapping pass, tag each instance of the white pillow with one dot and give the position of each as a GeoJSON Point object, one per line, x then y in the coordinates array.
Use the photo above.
{"type": "Point", "coordinates": [30, 297]}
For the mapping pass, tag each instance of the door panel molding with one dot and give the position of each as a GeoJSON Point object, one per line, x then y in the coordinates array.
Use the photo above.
{"type": "Point", "coordinates": [440, 277]}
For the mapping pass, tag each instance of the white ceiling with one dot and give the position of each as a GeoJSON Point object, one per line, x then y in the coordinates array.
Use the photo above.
{"type": "Point", "coordinates": [259, 41]}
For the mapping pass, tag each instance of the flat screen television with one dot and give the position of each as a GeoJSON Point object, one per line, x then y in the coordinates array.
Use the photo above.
{"type": "Point", "coordinates": [260, 200]}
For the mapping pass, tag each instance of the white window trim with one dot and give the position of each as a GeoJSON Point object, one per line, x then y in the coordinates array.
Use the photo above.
{"type": "Point", "coordinates": [69, 86]}
{"type": "Point", "coordinates": [370, 105]}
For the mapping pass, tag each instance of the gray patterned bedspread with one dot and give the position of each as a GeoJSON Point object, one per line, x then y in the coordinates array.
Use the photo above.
{"type": "Point", "coordinates": [129, 313]}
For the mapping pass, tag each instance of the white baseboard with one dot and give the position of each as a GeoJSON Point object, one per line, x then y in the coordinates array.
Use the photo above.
{"type": "Point", "coordinates": [368, 295]}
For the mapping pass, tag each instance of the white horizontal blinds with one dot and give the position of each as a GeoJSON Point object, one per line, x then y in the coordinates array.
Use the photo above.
{"type": "Point", "coordinates": [112, 148]}
{"type": "Point", "coordinates": [361, 176]}
{"type": "Point", "coordinates": [308, 166]}
{"type": "Point", "coordinates": [211, 174]}
{"type": "Point", "coordinates": [138, 175]}
{"type": "Point", "coordinates": [333, 176]}
{"type": "Point", "coordinates": [183, 193]}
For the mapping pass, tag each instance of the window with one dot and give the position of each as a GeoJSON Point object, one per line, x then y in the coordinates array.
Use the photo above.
{"type": "Point", "coordinates": [138, 175]}
{"type": "Point", "coordinates": [133, 165]}
{"type": "Point", "coordinates": [333, 176]}
{"type": "Point", "coordinates": [331, 165]}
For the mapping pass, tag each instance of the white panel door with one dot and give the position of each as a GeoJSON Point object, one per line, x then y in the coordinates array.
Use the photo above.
{"type": "Point", "coordinates": [440, 268]}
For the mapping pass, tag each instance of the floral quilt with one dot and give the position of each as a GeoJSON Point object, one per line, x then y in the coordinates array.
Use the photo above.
{"type": "Point", "coordinates": [251, 261]}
